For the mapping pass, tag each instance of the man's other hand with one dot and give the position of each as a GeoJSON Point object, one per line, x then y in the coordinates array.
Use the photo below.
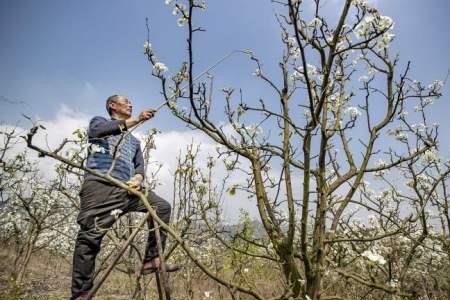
{"type": "Point", "coordinates": [146, 115]}
{"type": "Point", "coordinates": [135, 182]}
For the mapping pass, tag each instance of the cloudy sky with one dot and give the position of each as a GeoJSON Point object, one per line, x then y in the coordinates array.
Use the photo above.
{"type": "Point", "coordinates": [60, 60]}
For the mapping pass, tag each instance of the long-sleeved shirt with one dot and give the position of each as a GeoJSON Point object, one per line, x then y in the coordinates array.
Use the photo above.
{"type": "Point", "coordinates": [109, 139]}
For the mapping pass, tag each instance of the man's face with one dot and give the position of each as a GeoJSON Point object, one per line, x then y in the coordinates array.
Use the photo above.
{"type": "Point", "coordinates": [122, 107]}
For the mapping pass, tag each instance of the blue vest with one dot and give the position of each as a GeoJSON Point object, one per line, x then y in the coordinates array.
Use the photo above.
{"type": "Point", "coordinates": [124, 146]}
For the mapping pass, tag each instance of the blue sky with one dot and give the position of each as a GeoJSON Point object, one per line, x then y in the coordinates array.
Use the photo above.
{"type": "Point", "coordinates": [79, 52]}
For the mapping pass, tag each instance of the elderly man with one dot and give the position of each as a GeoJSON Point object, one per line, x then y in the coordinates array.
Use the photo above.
{"type": "Point", "coordinates": [102, 202]}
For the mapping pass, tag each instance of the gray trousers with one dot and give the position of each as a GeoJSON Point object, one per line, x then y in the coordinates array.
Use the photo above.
{"type": "Point", "coordinates": [98, 199]}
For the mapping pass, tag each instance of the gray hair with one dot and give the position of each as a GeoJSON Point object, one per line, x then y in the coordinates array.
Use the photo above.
{"type": "Point", "coordinates": [111, 99]}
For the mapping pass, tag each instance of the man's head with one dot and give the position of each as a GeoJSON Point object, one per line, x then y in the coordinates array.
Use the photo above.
{"type": "Point", "coordinates": [119, 107]}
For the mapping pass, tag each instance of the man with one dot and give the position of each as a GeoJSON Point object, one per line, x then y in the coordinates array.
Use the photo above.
{"type": "Point", "coordinates": [102, 202]}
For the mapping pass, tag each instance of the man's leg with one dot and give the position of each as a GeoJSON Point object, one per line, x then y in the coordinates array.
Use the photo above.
{"type": "Point", "coordinates": [163, 210]}
{"type": "Point", "coordinates": [97, 202]}
{"type": "Point", "coordinates": [87, 247]}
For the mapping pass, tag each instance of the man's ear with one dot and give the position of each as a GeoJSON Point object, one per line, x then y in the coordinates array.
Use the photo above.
{"type": "Point", "coordinates": [112, 106]}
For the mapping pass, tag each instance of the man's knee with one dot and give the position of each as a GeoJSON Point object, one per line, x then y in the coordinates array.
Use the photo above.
{"type": "Point", "coordinates": [89, 240]}
{"type": "Point", "coordinates": [162, 206]}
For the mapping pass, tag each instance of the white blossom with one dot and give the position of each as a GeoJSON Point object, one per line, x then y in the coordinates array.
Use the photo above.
{"type": "Point", "coordinates": [380, 164]}
{"type": "Point", "coordinates": [116, 213]}
{"type": "Point", "coordinates": [182, 21]}
{"type": "Point", "coordinates": [403, 114]}
{"type": "Point", "coordinates": [253, 129]}
{"type": "Point", "coordinates": [427, 101]}
{"type": "Point", "coordinates": [384, 40]}
{"type": "Point", "coordinates": [430, 156]}
{"type": "Point", "coordinates": [306, 114]}
{"type": "Point", "coordinates": [374, 257]}
{"type": "Point", "coordinates": [257, 72]}
{"type": "Point", "coordinates": [419, 127]}
{"type": "Point", "coordinates": [94, 148]}
{"type": "Point", "coordinates": [362, 3]}
{"type": "Point", "coordinates": [363, 78]}
{"type": "Point", "coordinates": [398, 133]}
{"type": "Point", "coordinates": [296, 75]}
{"type": "Point", "coordinates": [363, 27]}
{"type": "Point", "coordinates": [436, 85]}
{"type": "Point", "coordinates": [291, 41]}
{"type": "Point", "coordinates": [160, 67]}
{"type": "Point", "coordinates": [353, 111]}
{"type": "Point", "coordinates": [178, 8]}
{"type": "Point", "coordinates": [315, 22]}
{"type": "Point", "coordinates": [147, 45]}
{"type": "Point", "coordinates": [384, 23]}
{"type": "Point", "coordinates": [418, 108]}
{"type": "Point", "coordinates": [202, 5]}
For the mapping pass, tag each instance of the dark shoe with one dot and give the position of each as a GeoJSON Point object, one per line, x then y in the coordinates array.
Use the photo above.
{"type": "Point", "coordinates": [169, 268]}
{"type": "Point", "coordinates": [83, 296]}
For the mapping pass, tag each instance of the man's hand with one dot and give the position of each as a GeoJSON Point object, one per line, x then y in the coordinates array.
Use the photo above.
{"type": "Point", "coordinates": [143, 116]}
{"type": "Point", "coordinates": [146, 115]}
{"type": "Point", "coordinates": [135, 182]}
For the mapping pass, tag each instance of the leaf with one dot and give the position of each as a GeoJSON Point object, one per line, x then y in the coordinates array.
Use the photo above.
{"type": "Point", "coordinates": [232, 191]}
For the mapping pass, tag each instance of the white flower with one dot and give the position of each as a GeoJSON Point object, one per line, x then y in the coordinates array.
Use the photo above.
{"type": "Point", "coordinates": [236, 125]}
{"type": "Point", "coordinates": [207, 294]}
{"type": "Point", "coordinates": [427, 101]}
{"type": "Point", "coordinates": [296, 75]}
{"type": "Point", "coordinates": [172, 104]}
{"type": "Point", "coordinates": [312, 70]}
{"type": "Point", "coordinates": [306, 114]}
{"type": "Point", "coordinates": [257, 72]}
{"type": "Point", "coordinates": [436, 85]}
{"type": "Point", "coordinates": [363, 78]}
{"type": "Point", "coordinates": [393, 283]}
{"type": "Point", "coordinates": [160, 67]}
{"type": "Point", "coordinates": [167, 2]}
{"type": "Point", "coordinates": [245, 270]}
{"type": "Point", "coordinates": [147, 45]}
{"type": "Point", "coordinates": [403, 114]}
{"type": "Point", "coordinates": [384, 40]}
{"type": "Point", "coordinates": [116, 213]}
{"type": "Point", "coordinates": [419, 127]}
{"type": "Point", "coordinates": [178, 8]}
{"type": "Point", "coordinates": [371, 70]}
{"type": "Point", "coordinates": [182, 21]}
{"type": "Point", "coordinates": [384, 23]}
{"type": "Point", "coordinates": [363, 27]}
{"type": "Point", "coordinates": [295, 52]}
{"type": "Point", "coordinates": [430, 156]}
{"type": "Point", "coordinates": [374, 257]}
{"type": "Point", "coordinates": [291, 41]}
{"type": "Point", "coordinates": [315, 22]}
{"type": "Point", "coordinates": [203, 5]}
{"type": "Point", "coordinates": [253, 129]}
{"type": "Point", "coordinates": [398, 134]}
{"type": "Point", "coordinates": [380, 163]}
{"type": "Point", "coordinates": [94, 148]}
{"type": "Point", "coordinates": [362, 3]}
{"type": "Point", "coordinates": [353, 111]}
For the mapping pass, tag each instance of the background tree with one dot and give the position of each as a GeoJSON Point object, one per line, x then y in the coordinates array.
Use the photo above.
{"type": "Point", "coordinates": [340, 93]}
